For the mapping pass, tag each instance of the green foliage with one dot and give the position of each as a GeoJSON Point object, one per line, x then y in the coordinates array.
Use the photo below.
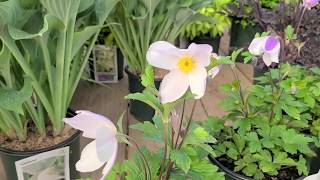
{"type": "Point", "coordinates": [215, 10]}
{"type": "Point", "coordinates": [137, 24]}
{"type": "Point", "coordinates": [269, 122]}
{"type": "Point", "coordinates": [48, 45]}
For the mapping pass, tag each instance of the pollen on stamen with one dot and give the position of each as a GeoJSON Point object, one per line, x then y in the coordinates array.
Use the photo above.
{"type": "Point", "coordinates": [186, 64]}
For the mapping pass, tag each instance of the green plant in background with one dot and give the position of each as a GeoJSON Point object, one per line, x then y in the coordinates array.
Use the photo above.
{"type": "Point", "coordinates": [47, 42]}
{"type": "Point", "coordinates": [136, 24]}
{"type": "Point", "coordinates": [215, 10]}
{"type": "Point", "coordinates": [15, 97]}
{"type": "Point", "coordinates": [271, 125]}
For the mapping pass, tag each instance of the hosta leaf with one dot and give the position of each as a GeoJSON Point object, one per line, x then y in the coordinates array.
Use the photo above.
{"type": "Point", "coordinates": [12, 99]}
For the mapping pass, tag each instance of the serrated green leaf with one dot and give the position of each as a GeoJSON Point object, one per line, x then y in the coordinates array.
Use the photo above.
{"type": "Point", "coordinates": [181, 159]}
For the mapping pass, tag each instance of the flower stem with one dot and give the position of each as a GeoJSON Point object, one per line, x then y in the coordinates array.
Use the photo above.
{"type": "Point", "coordinates": [165, 119]}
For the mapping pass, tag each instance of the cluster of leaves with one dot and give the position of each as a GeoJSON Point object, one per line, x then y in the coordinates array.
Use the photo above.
{"type": "Point", "coordinates": [190, 160]}
{"type": "Point", "coordinates": [217, 10]}
{"type": "Point", "coordinates": [273, 123]}
{"type": "Point", "coordinates": [243, 11]}
{"type": "Point", "coordinates": [137, 24]}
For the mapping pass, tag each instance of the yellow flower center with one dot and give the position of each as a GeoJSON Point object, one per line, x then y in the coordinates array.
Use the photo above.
{"type": "Point", "coordinates": [186, 64]}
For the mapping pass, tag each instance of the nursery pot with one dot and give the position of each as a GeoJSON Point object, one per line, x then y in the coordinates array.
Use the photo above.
{"type": "Point", "coordinates": [231, 175]}
{"type": "Point", "coordinates": [9, 157]}
{"type": "Point", "coordinates": [241, 37]}
{"type": "Point", "coordinates": [120, 64]}
{"type": "Point", "coordinates": [138, 109]}
{"type": "Point", "coordinates": [206, 39]}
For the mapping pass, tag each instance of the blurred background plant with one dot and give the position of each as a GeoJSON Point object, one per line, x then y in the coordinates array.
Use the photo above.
{"type": "Point", "coordinates": [216, 10]}
{"type": "Point", "coordinates": [136, 24]}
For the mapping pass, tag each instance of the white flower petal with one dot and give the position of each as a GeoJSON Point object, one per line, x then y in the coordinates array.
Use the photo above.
{"type": "Point", "coordinates": [173, 86]}
{"type": "Point", "coordinates": [200, 53]}
{"type": "Point", "coordinates": [106, 144]}
{"type": "Point", "coordinates": [257, 45]}
{"type": "Point", "coordinates": [89, 160]}
{"type": "Point", "coordinates": [198, 81]}
{"type": "Point", "coordinates": [89, 123]}
{"type": "Point", "coordinates": [268, 58]}
{"type": "Point", "coordinates": [164, 55]}
{"type": "Point", "coordinates": [110, 163]}
{"type": "Point", "coordinates": [214, 71]}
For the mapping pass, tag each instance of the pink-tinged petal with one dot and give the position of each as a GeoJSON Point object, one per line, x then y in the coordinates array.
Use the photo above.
{"type": "Point", "coordinates": [271, 56]}
{"type": "Point", "coordinates": [106, 144]}
{"type": "Point", "coordinates": [175, 121]}
{"type": "Point", "coordinates": [257, 46]}
{"type": "Point", "coordinates": [215, 56]}
{"type": "Point", "coordinates": [89, 123]}
{"type": "Point", "coordinates": [214, 71]}
{"type": "Point", "coordinates": [200, 53]}
{"type": "Point", "coordinates": [198, 81]}
{"type": "Point", "coordinates": [310, 3]}
{"type": "Point", "coordinates": [107, 168]}
{"type": "Point", "coordinates": [164, 55]}
{"type": "Point", "coordinates": [89, 160]}
{"type": "Point", "coordinates": [173, 86]}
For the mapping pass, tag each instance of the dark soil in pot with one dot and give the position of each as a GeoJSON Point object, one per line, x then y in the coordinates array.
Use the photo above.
{"type": "Point", "coordinates": [21, 150]}
{"type": "Point", "coordinates": [206, 39]}
{"type": "Point", "coordinates": [138, 109]}
{"type": "Point", "coordinates": [226, 165]}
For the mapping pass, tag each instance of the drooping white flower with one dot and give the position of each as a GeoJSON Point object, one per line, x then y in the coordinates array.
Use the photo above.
{"type": "Point", "coordinates": [268, 47]}
{"type": "Point", "coordinates": [105, 146]}
{"type": "Point", "coordinates": [313, 177]}
{"type": "Point", "coordinates": [310, 3]}
{"type": "Point", "coordinates": [215, 70]}
{"type": "Point", "coordinates": [186, 66]}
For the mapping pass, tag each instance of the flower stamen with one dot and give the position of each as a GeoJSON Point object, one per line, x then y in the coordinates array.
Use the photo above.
{"type": "Point", "coordinates": [186, 63]}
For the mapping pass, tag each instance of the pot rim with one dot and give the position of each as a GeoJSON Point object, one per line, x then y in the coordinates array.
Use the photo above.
{"type": "Point", "coordinates": [64, 143]}
{"type": "Point", "coordinates": [236, 175]}
{"type": "Point", "coordinates": [227, 170]}
{"type": "Point", "coordinates": [136, 76]}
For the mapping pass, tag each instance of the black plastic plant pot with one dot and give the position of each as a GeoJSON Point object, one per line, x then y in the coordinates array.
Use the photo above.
{"type": "Point", "coordinates": [241, 37]}
{"type": "Point", "coordinates": [213, 41]}
{"type": "Point", "coordinates": [9, 157]}
{"type": "Point", "coordinates": [315, 162]}
{"type": "Point", "coordinates": [140, 110]}
{"type": "Point", "coordinates": [231, 175]}
{"type": "Point", "coordinates": [120, 64]}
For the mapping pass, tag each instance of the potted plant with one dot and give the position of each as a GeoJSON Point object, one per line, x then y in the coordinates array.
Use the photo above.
{"type": "Point", "coordinates": [136, 24]}
{"type": "Point", "coordinates": [266, 132]}
{"type": "Point", "coordinates": [106, 41]}
{"type": "Point", "coordinates": [183, 143]}
{"type": "Point", "coordinates": [46, 41]}
{"type": "Point", "coordinates": [206, 32]}
{"type": "Point", "coordinates": [287, 28]}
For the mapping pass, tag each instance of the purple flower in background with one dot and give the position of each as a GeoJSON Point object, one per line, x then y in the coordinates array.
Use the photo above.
{"type": "Point", "coordinates": [310, 3]}
{"type": "Point", "coordinates": [268, 47]}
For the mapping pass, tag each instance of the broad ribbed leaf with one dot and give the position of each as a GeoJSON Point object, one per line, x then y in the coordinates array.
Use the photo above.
{"type": "Point", "coordinates": [12, 99]}
{"type": "Point", "coordinates": [63, 9]}
{"type": "Point", "coordinates": [103, 8]}
{"type": "Point", "coordinates": [82, 36]}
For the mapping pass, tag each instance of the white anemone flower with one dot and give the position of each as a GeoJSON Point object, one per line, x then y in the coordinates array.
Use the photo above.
{"type": "Point", "coordinates": [186, 66]}
{"type": "Point", "coordinates": [105, 146]}
{"type": "Point", "coordinates": [268, 47]}
{"type": "Point", "coordinates": [310, 3]}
